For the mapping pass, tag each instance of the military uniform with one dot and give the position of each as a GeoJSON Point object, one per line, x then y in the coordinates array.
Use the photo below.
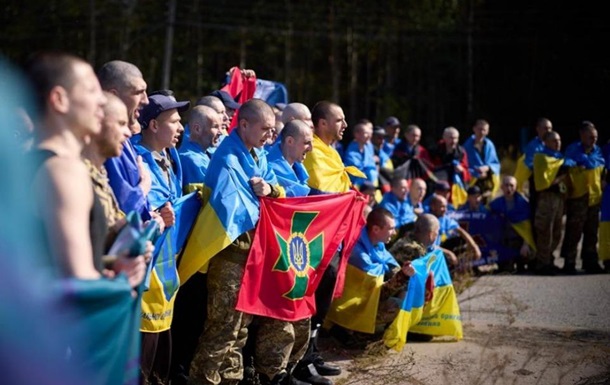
{"type": "Point", "coordinates": [583, 207]}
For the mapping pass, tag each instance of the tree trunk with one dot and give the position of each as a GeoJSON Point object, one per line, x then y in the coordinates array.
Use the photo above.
{"type": "Point", "coordinates": [169, 44]}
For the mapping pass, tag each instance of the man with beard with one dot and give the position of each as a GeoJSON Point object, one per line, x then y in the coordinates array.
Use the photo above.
{"type": "Point", "coordinates": [451, 165]}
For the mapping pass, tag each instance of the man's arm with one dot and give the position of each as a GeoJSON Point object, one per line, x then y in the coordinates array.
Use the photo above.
{"type": "Point", "coordinates": [65, 213]}
{"type": "Point", "coordinates": [129, 184]}
{"type": "Point", "coordinates": [473, 245]}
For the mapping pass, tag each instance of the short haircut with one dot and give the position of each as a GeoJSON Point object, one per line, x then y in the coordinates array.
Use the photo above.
{"type": "Point", "coordinates": [321, 111]}
{"type": "Point", "coordinates": [46, 70]}
{"type": "Point", "coordinates": [117, 74]}
{"type": "Point", "coordinates": [359, 127]}
{"type": "Point", "coordinates": [165, 92]}
{"type": "Point", "coordinates": [208, 100]}
{"type": "Point", "coordinates": [294, 129]}
{"type": "Point", "coordinates": [396, 181]}
{"type": "Point", "coordinates": [377, 217]}
{"type": "Point", "coordinates": [201, 115]}
{"type": "Point", "coordinates": [480, 121]}
{"type": "Point", "coordinates": [550, 135]}
{"type": "Point", "coordinates": [294, 111]}
{"type": "Point", "coordinates": [254, 110]}
{"type": "Point", "coordinates": [450, 129]}
{"type": "Point", "coordinates": [411, 128]}
{"type": "Point", "coordinates": [586, 125]}
{"type": "Point", "coordinates": [426, 223]}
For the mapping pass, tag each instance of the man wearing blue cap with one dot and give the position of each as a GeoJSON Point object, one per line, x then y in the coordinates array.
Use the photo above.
{"type": "Point", "coordinates": [161, 129]}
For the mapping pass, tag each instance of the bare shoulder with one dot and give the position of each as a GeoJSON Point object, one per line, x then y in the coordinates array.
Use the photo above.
{"type": "Point", "coordinates": [66, 179]}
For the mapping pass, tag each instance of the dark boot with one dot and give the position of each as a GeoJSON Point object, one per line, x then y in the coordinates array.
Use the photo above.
{"type": "Point", "coordinates": [569, 269]}
{"type": "Point", "coordinates": [323, 368]}
{"type": "Point", "coordinates": [309, 375]}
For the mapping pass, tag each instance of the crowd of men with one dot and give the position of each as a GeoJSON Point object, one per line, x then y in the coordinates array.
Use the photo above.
{"type": "Point", "coordinates": [106, 148]}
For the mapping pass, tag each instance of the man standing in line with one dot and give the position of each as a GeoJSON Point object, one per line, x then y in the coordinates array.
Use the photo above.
{"type": "Point", "coordinates": [237, 176]}
{"type": "Point", "coordinates": [327, 174]}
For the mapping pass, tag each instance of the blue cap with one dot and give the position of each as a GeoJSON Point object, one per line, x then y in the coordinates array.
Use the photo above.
{"type": "Point", "coordinates": [392, 121]}
{"type": "Point", "coordinates": [227, 100]}
{"type": "Point", "coordinates": [157, 104]}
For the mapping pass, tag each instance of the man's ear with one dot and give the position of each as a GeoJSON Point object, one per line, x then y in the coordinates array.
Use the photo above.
{"type": "Point", "coordinates": [289, 140]}
{"type": "Point", "coordinates": [58, 99]}
{"type": "Point", "coordinates": [113, 91]}
{"type": "Point", "coordinates": [153, 126]}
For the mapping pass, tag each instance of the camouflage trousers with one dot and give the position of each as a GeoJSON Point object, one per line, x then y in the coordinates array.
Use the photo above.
{"type": "Point", "coordinates": [279, 343]}
{"type": "Point", "coordinates": [547, 224]}
{"type": "Point", "coordinates": [581, 220]}
{"type": "Point", "coordinates": [218, 356]}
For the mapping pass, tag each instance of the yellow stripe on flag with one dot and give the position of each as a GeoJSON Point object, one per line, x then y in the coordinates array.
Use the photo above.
{"type": "Point", "coordinates": [604, 241]}
{"type": "Point", "coordinates": [441, 316]}
{"type": "Point", "coordinates": [207, 239]}
{"type": "Point", "coordinates": [357, 308]}
{"type": "Point", "coordinates": [524, 229]}
{"type": "Point", "coordinates": [522, 173]}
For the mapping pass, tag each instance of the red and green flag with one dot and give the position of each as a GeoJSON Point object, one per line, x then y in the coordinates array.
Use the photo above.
{"type": "Point", "coordinates": [294, 243]}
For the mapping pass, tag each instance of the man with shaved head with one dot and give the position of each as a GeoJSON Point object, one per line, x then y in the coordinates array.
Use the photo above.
{"type": "Point", "coordinates": [216, 104]}
{"type": "Point", "coordinates": [126, 81]}
{"type": "Point", "coordinates": [584, 201]}
{"type": "Point", "coordinates": [107, 144]}
{"type": "Point", "coordinates": [280, 344]}
{"type": "Point", "coordinates": [550, 170]}
{"type": "Point", "coordinates": [128, 177]}
{"type": "Point", "coordinates": [238, 175]}
{"type": "Point", "coordinates": [297, 111]}
{"type": "Point", "coordinates": [449, 228]}
{"type": "Point", "coordinates": [451, 164]}
{"type": "Point", "coordinates": [205, 126]}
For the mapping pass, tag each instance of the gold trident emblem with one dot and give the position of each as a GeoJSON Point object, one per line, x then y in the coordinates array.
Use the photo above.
{"type": "Point", "coordinates": [297, 252]}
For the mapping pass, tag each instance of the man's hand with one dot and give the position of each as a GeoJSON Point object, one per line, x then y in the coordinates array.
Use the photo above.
{"type": "Point", "coordinates": [459, 168]}
{"type": "Point", "coordinates": [157, 218]}
{"type": "Point", "coordinates": [477, 252]}
{"type": "Point", "coordinates": [134, 268]}
{"type": "Point", "coordinates": [408, 269]}
{"type": "Point", "coordinates": [168, 215]}
{"type": "Point", "coordinates": [260, 187]}
{"type": "Point", "coordinates": [145, 180]}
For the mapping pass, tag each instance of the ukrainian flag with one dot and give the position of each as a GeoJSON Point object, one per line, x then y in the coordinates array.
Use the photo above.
{"type": "Point", "coordinates": [488, 158]}
{"type": "Point", "coordinates": [232, 208]}
{"type": "Point", "coordinates": [459, 195]}
{"type": "Point", "coordinates": [604, 227]}
{"type": "Point", "coordinates": [518, 216]}
{"type": "Point", "coordinates": [426, 310]}
{"type": "Point", "coordinates": [326, 170]}
{"type": "Point", "coordinates": [357, 308]}
{"type": "Point", "coordinates": [522, 173]}
{"type": "Point", "coordinates": [586, 177]}
{"type": "Point", "coordinates": [546, 166]}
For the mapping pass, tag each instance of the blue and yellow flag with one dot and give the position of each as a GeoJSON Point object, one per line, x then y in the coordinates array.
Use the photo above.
{"type": "Point", "coordinates": [232, 208]}
{"type": "Point", "coordinates": [326, 170]}
{"type": "Point", "coordinates": [518, 216]}
{"type": "Point", "coordinates": [586, 175]}
{"type": "Point", "coordinates": [604, 227]}
{"type": "Point", "coordinates": [163, 281]}
{"type": "Point", "coordinates": [430, 305]}
{"type": "Point", "coordinates": [489, 157]}
{"type": "Point", "coordinates": [459, 195]}
{"type": "Point", "coordinates": [546, 167]}
{"type": "Point", "coordinates": [357, 308]}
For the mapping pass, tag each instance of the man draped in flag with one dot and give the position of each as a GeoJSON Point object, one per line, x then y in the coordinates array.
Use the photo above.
{"type": "Point", "coordinates": [327, 174]}
{"type": "Point", "coordinates": [604, 226]}
{"type": "Point", "coordinates": [161, 128]}
{"type": "Point", "coordinates": [483, 162]}
{"type": "Point", "coordinates": [361, 154]}
{"type": "Point", "coordinates": [280, 344]}
{"type": "Point", "coordinates": [430, 297]}
{"type": "Point", "coordinates": [525, 164]}
{"type": "Point", "coordinates": [221, 239]}
{"type": "Point", "coordinates": [451, 165]}
{"type": "Point", "coordinates": [518, 233]}
{"type": "Point", "coordinates": [584, 201]}
{"type": "Point", "coordinates": [411, 159]}
{"type": "Point", "coordinates": [550, 172]}
{"type": "Point", "coordinates": [374, 281]}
